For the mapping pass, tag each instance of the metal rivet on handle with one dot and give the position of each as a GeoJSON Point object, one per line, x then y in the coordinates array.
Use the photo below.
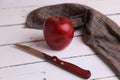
{"type": "Point", "coordinates": [54, 59]}
{"type": "Point", "coordinates": [62, 63]}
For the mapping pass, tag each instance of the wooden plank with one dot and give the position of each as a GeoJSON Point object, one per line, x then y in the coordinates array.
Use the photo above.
{"type": "Point", "coordinates": [27, 3]}
{"type": "Point", "coordinates": [14, 34]}
{"type": "Point", "coordinates": [76, 48]}
{"type": "Point", "coordinates": [13, 16]}
{"type": "Point", "coordinates": [48, 71]}
{"type": "Point", "coordinates": [105, 6]}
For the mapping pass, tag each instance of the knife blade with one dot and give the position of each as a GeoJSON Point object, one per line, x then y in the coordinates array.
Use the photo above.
{"type": "Point", "coordinates": [85, 74]}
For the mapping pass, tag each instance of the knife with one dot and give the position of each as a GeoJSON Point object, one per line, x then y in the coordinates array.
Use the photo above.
{"type": "Point", "coordinates": [85, 74]}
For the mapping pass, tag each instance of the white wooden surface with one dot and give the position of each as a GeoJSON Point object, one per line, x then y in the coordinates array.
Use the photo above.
{"type": "Point", "coordinates": [18, 65]}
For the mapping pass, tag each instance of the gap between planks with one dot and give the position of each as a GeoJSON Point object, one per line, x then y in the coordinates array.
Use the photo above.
{"type": "Point", "coordinates": [23, 23]}
{"type": "Point", "coordinates": [37, 62]}
{"type": "Point", "coordinates": [107, 77]}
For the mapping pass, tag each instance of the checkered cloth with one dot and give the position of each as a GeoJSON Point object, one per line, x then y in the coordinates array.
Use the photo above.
{"type": "Point", "coordinates": [100, 33]}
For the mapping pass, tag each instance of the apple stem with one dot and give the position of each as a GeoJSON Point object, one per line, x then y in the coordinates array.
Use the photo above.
{"type": "Point", "coordinates": [59, 19]}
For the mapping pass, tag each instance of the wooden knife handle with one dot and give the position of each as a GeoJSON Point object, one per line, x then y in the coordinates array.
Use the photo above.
{"type": "Point", "coordinates": [69, 67]}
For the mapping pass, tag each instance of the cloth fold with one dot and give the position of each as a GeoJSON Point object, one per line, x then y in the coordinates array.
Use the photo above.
{"type": "Point", "coordinates": [99, 32]}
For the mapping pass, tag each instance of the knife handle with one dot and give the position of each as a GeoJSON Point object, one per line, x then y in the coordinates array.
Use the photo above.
{"type": "Point", "coordinates": [69, 67]}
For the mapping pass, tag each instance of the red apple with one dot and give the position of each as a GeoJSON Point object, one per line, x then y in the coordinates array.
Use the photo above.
{"type": "Point", "coordinates": [58, 32]}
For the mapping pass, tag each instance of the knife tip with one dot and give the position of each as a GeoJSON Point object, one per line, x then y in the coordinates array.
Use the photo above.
{"type": "Point", "coordinates": [17, 44]}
